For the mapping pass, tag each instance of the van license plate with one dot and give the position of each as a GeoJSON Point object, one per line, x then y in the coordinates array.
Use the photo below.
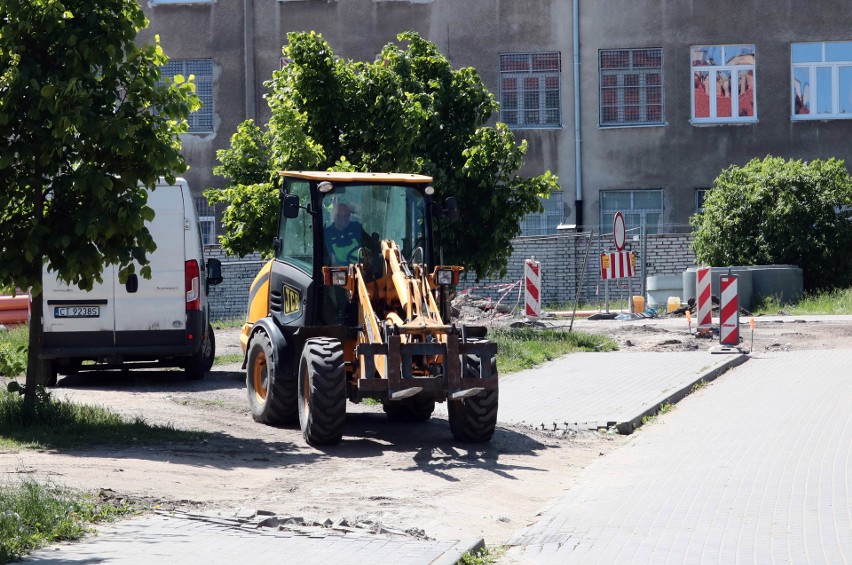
{"type": "Point", "coordinates": [76, 311]}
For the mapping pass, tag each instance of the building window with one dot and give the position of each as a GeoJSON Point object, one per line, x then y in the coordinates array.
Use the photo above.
{"type": "Point", "coordinates": [631, 87]}
{"type": "Point", "coordinates": [636, 206]}
{"type": "Point", "coordinates": [529, 89]}
{"type": "Point", "coordinates": [155, 2]}
{"type": "Point", "coordinates": [206, 220]}
{"type": "Point", "coordinates": [700, 195]}
{"type": "Point", "coordinates": [716, 71]}
{"type": "Point", "coordinates": [200, 121]}
{"type": "Point", "coordinates": [544, 223]}
{"type": "Point", "coordinates": [822, 80]}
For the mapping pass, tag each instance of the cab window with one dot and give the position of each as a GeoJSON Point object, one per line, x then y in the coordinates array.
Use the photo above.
{"type": "Point", "coordinates": [296, 234]}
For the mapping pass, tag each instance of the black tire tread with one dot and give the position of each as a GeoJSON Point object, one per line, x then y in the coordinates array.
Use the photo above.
{"type": "Point", "coordinates": [414, 409]}
{"type": "Point", "coordinates": [322, 363]}
{"type": "Point", "coordinates": [474, 419]}
{"type": "Point", "coordinates": [281, 405]}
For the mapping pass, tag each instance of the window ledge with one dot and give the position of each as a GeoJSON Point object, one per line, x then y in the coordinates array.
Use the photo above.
{"type": "Point", "coordinates": [633, 126]}
{"type": "Point", "coordinates": [716, 124]}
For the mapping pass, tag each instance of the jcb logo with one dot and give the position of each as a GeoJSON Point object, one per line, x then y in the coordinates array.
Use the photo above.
{"type": "Point", "coordinates": [292, 300]}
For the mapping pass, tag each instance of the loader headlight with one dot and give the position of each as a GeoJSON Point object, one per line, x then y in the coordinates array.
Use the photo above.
{"type": "Point", "coordinates": [338, 278]}
{"type": "Point", "coordinates": [335, 276]}
{"type": "Point", "coordinates": [445, 277]}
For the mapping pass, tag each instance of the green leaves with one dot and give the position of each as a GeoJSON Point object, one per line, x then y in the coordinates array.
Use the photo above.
{"type": "Point", "coordinates": [407, 111]}
{"type": "Point", "coordinates": [85, 99]}
{"type": "Point", "coordinates": [773, 211]}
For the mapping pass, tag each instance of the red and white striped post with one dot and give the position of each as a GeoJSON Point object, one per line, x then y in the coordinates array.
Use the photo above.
{"type": "Point", "coordinates": [532, 282]}
{"type": "Point", "coordinates": [703, 300]}
{"type": "Point", "coordinates": [729, 311]}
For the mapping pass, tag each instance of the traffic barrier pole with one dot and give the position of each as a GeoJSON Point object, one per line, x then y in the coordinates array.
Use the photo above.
{"type": "Point", "coordinates": [729, 311]}
{"type": "Point", "coordinates": [703, 299]}
{"type": "Point", "coordinates": [532, 276]}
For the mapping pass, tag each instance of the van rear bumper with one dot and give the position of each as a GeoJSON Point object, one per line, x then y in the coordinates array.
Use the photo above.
{"type": "Point", "coordinates": [128, 345]}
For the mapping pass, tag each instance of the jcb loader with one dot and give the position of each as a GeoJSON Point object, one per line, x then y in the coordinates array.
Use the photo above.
{"type": "Point", "coordinates": [353, 306]}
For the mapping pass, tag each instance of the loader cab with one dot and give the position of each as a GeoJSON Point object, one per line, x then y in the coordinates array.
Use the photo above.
{"type": "Point", "coordinates": [337, 219]}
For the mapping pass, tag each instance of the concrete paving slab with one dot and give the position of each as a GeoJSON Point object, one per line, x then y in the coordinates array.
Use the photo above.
{"type": "Point", "coordinates": [754, 469]}
{"type": "Point", "coordinates": [593, 390]}
{"type": "Point", "coordinates": [179, 539]}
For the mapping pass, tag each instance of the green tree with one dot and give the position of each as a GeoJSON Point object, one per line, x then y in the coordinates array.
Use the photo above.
{"type": "Point", "coordinates": [408, 111]}
{"type": "Point", "coordinates": [84, 127]}
{"type": "Point", "coordinates": [774, 211]}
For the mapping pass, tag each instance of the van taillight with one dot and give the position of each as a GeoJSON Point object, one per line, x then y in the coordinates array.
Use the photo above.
{"type": "Point", "coordinates": [193, 286]}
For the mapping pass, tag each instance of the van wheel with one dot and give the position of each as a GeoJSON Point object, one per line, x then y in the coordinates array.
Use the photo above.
{"type": "Point", "coordinates": [208, 349]}
{"type": "Point", "coordinates": [201, 363]}
{"type": "Point", "coordinates": [322, 391]}
{"type": "Point", "coordinates": [50, 373]}
{"type": "Point", "coordinates": [272, 397]}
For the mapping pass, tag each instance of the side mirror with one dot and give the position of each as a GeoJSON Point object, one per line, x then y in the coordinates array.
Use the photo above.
{"type": "Point", "coordinates": [290, 206]}
{"type": "Point", "coordinates": [452, 209]}
{"type": "Point", "coordinates": [214, 271]}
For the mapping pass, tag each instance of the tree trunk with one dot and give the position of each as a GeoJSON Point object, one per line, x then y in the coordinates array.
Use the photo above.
{"type": "Point", "coordinates": [35, 366]}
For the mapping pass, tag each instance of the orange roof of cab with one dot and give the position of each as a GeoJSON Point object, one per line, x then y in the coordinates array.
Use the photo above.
{"type": "Point", "coordinates": [354, 177]}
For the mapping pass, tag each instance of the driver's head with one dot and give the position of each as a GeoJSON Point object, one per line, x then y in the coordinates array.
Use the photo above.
{"type": "Point", "coordinates": [342, 212]}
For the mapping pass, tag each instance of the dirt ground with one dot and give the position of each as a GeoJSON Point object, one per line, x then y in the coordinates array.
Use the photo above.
{"type": "Point", "coordinates": [411, 477]}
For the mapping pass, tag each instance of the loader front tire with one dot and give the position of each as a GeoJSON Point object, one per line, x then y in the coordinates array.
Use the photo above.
{"type": "Point", "coordinates": [415, 409]}
{"type": "Point", "coordinates": [322, 391]}
{"type": "Point", "coordinates": [272, 398]}
{"type": "Point", "coordinates": [473, 419]}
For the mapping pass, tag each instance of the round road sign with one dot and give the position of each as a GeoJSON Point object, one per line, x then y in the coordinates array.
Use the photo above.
{"type": "Point", "coordinates": [618, 231]}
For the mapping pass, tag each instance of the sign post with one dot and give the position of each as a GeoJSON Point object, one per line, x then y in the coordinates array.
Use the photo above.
{"type": "Point", "coordinates": [620, 264]}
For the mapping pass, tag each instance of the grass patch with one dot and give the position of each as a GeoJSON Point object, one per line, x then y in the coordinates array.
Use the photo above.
{"type": "Point", "coordinates": [525, 348]}
{"type": "Point", "coordinates": [228, 358]}
{"type": "Point", "coordinates": [61, 424]}
{"type": "Point", "coordinates": [838, 301]}
{"type": "Point", "coordinates": [33, 515]}
{"type": "Point", "coordinates": [14, 344]}
{"type": "Point", "coordinates": [483, 556]}
{"type": "Point", "coordinates": [228, 323]}
{"type": "Point", "coordinates": [665, 408]}
{"type": "Point", "coordinates": [588, 306]}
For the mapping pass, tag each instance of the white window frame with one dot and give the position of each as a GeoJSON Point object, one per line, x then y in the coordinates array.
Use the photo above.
{"type": "Point", "coordinates": [643, 88]}
{"type": "Point", "coordinates": [203, 119]}
{"type": "Point", "coordinates": [206, 215]}
{"type": "Point", "coordinates": [606, 215]}
{"type": "Point", "coordinates": [713, 69]}
{"type": "Point", "coordinates": [811, 67]}
{"type": "Point", "coordinates": [541, 93]}
{"type": "Point", "coordinates": [545, 223]}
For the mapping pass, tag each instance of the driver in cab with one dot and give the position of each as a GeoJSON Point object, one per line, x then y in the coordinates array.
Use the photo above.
{"type": "Point", "coordinates": [343, 236]}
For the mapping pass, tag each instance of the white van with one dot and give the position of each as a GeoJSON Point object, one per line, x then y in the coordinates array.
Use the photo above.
{"type": "Point", "coordinates": [163, 321]}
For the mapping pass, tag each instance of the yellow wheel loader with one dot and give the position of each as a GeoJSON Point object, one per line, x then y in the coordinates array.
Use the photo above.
{"type": "Point", "coordinates": [354, 306]}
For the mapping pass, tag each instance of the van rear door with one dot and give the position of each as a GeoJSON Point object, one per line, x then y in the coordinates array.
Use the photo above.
{"type": "Point", "coordinates": [75, 318]}
{"type": "Point", "coordinates": [152, 311]}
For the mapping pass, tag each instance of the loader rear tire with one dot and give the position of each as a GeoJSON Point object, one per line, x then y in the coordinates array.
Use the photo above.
{"type": "Point", "coordinates": [272, 398]}
{"type": "Point", "coordinates": [322, 391]}
{"type": "Point", "coordinates": [473, 419]}
{"type": "Point", "coordinates": [415, 409]}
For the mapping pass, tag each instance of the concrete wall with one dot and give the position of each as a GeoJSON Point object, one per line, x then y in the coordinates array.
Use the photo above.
{"type": "Point", "coordinates": [680, 157]}
{"type": "Point", "coordinates": [244, 39]}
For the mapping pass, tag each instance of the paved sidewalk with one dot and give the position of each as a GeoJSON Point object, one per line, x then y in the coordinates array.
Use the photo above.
{"type": "Point", "coordinates": [601, 390]}
{"type": "Point", "coordinates": [168, 539]}
{"type": "Point", "coordinates": [754, 469]}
